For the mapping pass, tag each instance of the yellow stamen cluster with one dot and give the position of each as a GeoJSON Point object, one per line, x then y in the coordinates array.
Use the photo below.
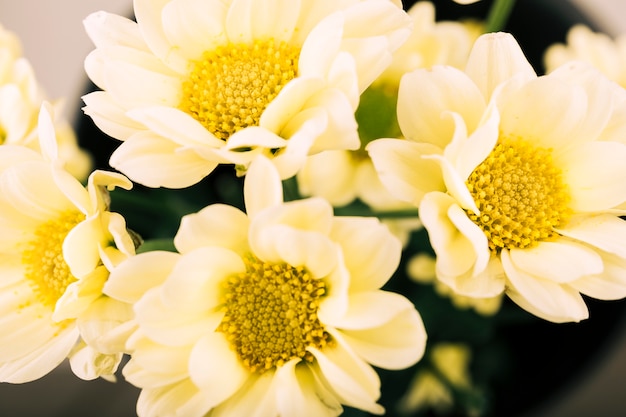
{"type": "Point", "coordinates": [271, 314]}
{"type": "Point", "coordinates": [230, 87]}
{"type": "Point", "coordinates": [45, 266]}
{"type": "Point", "coordinates": [520, 195]}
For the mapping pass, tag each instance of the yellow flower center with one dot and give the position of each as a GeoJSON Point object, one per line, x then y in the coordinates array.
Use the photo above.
{"type": "Point", "coordinates": [520, 195]}
{"type": "Point", "coordinates": [230, 87]}
{"type": "Point", "coordinates": [45, 266]}
{"type": "Point", "coordinates": [271, 314]}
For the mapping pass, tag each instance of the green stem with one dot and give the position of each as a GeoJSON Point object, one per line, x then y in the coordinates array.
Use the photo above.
{"type": "Point", "coordinates": [498, 15]}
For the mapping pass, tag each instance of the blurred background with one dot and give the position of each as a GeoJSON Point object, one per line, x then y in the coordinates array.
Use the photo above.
{"type": "Point", "coordinates": [55, 43]}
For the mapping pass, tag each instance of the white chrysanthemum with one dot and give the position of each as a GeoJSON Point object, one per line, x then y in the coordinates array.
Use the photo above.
{"type": "Point", "coordinates": [196, 83]}
{"type": "Point", "coordinates": [58, 242]}
{"type": "Point", "coordinates": [518, 178]}
{"type": "Point", "coordinates": [21, 97]}
{"type": "Point", "coordinates": [277, 312]}
{"type": "Point", "coordinates": [604, 53]}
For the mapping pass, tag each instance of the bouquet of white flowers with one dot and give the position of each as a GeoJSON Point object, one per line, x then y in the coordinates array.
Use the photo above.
{"type": "Point", "coordinates": [310, 207]}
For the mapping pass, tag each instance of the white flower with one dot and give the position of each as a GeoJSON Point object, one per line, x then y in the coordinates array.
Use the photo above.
{"type": "Point", "coordinates": [277, 312]}
{"type": "Point", "coordinates": [519, 179]}
{"type": "Point", "coordinates": [58, 242]}
{"type": "Point", "coordinates": [196, 83]}
{"type": "Point", "coordinates": [604, 53]}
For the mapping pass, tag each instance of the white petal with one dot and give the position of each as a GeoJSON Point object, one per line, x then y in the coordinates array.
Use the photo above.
{"type": "Point", "coordinates": [559, 261]}
{"type": "Point", "coordinates": [370, 252]}
{"type": "Point", "coordinates": [546, 299]}
{"type": "Point", "coordinates": [262, 187]}
{"type": "Point", "coordinates": [108, 29]}
{"type": "Point", "coordinates": [255, 399]}
{"type": "Point", "coordinates": [215, 225]}
{"type": "Point", "coordinates": [384, 329]}
{"type": "Point", "coordinates": [109, 116]}
{"type": "Point", "coordinates": [403, 170]}
{"type": "Point", "coordinates": [194, 284]}
{"type": "Point", "coordinates": [133, 277]}
{"type": "Point", "coordinates": [194, 27]}
{"type": "Point", "coordinates": [355, 382]}
{"type": "Point", "coordinates": [494, 59]}
{"type": "Point", "coordinates": [603, 231]}
{"type": "Point", "coordinates": [595, 174]}
{"type": "Point", "coordinates": [425, 95]}
{"type": "Point", "coordinates": [248, 20]}
{"type": "Point", "coordinates": [215, 368]}
{"type": "Point", "coordinates": [155, 162]}
{"type": "Point", "coordinates": [609, 285]}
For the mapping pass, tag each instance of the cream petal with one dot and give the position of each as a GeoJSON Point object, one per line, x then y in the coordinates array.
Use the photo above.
{"type": "Point", "coordinates": [262, 187]}
{"type": "Point", "coordinates": [609, 285]}
{"type": "Point", "coordinates": [79, 295]}
{"type": "Point", "coordinates": [105, 325]}
{"type": "Point", "coordinates": [248, 20]}
{"type": "Point", "coordinates": [109, 116]}
{"type": "Point", "coordinates": [335, 185]}
{"type": "Point", "coordinates": [89, 364]}
{"type": "Point", "coordinates": [214, 225]}
{"type": "Point", "coordinates": [148, 14]}
{"type": "Point", "coordinates": [13, 154]}
{"type": "Point", "coordinates": [289, 102]}
{"type": "Point", "coordinates": [175, 125]}
{"type": "Point", "coordinates": [404, 171]}
{"type": "Point", "coordinates": [133, 277]}
{"type": "Point", "coordinates": [193, 286]}
{"type": "Point", "coordinates": [370, 252]}
{"type": "Point", "coordinates": [254, 136]}
{"type": "Point", "coordinates": [321, 47]}
{"type": "Point", "coordinates": [341, 130]}
{"type": "Point", "coordinates": [354, 381]}
{"type": "Point", "coordinates": [195, 26]}
{"type": "Point", "coordinates": [523, 112]}
{"type": "Point", "coordinates": [47, 134]}
{"type": "Point", "coordinates": [557, 261]}
{"type": "Point", "coordinates": [42, 360]}
{"type": "Point", "coordinates": [108, 29]}
{"type": "Point", "coordinates": [30, 189]}
{"type": "Point", "coordinates": [138, 86]}
{"type": "Point", "coordinates": [604, 231]}
{"type": "Point", "coordinates": [425, 95]}
{"type": "Point", "coordinates": [80, 247]}
{"type": "Point", "coordinates": [343, 76]}
{"type": "Point", "coordinates": [298, 394]}
{"type": "Point", "coordinates": [166, 400]}
{"type": "Point", "coordinates": [494, 59]}
{"type": "Point", "coordinates": [460, 245]}
{"type": "Point", "coordinates": [600, 96]}
{"type": "Point", "coordinates": [156, 162]}
{"type": "Point", "coordinates": [147, 369]}
{"type": "Point", "coordinates": [546, 299]}
{"type": "Point", "coordinates": [396, 341]}
{"type": "Point", "coordinates": [255, 399]}
{"type": "Point", "coordinates": [595, 174]}
{"type": "Point", "coordinates": [215, 368]}
{"type": "Point", "coordinates": [487, 283]}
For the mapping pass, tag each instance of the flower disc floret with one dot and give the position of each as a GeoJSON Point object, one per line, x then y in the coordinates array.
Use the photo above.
{"type": "Point", "coordinates": [271, 314]}
{"type": "Point", "coordinates": [45, 266]}
{"type": "Point", "coordinates": [229, 87]}
{"type": "Point", "coordinates": [520, 194]}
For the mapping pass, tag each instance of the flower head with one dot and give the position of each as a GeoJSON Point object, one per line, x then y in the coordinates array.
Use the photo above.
{"type": "Point", "coordinates": [278, 311]}
{"type": "Point", "coordinates": [519, 179]}
{"type": "Point", "coordinates": [59, 241]}
{"type": "Point", "coordinates": [195, 84]}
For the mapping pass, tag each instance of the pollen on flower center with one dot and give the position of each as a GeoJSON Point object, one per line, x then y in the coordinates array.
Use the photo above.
{"type": "Point", "coordinates": [45, 266]}
{"type": "Point", "coordinates": [271, 314]}
{"type": "Point", "coordinates": [229, 87]}
{"type": "Point", "coordinates": [520, 195]}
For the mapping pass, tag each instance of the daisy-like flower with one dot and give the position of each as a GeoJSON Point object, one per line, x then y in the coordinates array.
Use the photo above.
{"type": "Point", "coordinates": [21, 97]}
{"type": "Point", "coordinates": [518, 179]}
{"type": "Point", "coordinates": [58, 242]}
{"type": "Point", "coordinates": [600, 50]}
{"type": "Point", "coordinates": [196, 83]}
{"type": "Point", "coordinates": [277, 312]}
